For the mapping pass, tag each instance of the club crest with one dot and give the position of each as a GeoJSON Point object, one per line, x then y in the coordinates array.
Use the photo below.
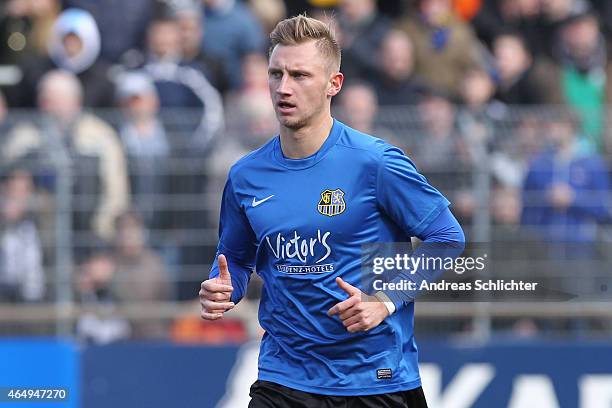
{"type": "Point", "coordinates": [332, 202]}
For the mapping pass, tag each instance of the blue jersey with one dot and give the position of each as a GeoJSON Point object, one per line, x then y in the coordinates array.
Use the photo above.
{"type": "Point", "coordinates": [300, 223]}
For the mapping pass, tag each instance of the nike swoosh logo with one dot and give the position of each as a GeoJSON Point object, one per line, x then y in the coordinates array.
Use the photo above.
{"type": "Point", "coordinates": [263, 200]}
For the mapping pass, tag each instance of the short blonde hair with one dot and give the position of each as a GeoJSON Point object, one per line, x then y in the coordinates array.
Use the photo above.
{"type": "Point", "coordinates": [301, 29]}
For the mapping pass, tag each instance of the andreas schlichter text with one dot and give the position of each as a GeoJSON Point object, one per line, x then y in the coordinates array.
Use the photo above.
{"type": "Point", "coordinates": [479, 285]}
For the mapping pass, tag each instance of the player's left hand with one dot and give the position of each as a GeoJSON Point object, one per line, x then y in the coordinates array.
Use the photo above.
{"type": "Point", "coordinates": [359, 312]}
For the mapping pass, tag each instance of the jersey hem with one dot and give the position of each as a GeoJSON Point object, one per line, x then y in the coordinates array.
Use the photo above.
{"type": "Point", "coordinates": [343, 391]}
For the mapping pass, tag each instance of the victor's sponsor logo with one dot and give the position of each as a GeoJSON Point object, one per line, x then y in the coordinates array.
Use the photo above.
{"type": "Point", "coordinates": [304, 249]}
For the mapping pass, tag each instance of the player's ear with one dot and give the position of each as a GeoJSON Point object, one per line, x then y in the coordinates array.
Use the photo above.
{"type": "Point", "coordinates": [335, 84]}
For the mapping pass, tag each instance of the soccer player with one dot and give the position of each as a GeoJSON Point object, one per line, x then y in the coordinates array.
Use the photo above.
{"type": "Point", "coordinates": [298, 210]}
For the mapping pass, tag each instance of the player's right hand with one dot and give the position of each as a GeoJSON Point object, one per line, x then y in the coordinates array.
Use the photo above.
{"type": "Point", "coordinates": [215, 293]}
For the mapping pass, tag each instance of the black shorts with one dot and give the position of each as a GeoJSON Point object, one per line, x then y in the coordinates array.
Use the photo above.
{"type": "Point", "coordinates": [265, 394]}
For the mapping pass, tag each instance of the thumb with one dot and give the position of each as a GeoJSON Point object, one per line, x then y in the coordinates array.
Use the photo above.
{"type": "Point", "coordinates": [348, 288]}
{"type": "Point", "coordinates": [224, 273]}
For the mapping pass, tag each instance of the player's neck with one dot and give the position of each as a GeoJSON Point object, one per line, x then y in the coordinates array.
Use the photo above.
{"type": "Point", "coordinates": [306, 141]}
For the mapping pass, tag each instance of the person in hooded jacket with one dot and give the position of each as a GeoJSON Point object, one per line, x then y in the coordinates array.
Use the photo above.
{"type": "Point", "coordinates": [74, 46]}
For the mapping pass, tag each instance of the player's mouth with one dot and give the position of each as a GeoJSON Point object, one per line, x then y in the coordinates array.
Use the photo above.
{"type": "Point", "coordinates": [285, 108]}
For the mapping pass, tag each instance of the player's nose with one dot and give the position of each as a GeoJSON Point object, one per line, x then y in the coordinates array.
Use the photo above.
{"type": "Point", "coordinates": [283, 87]}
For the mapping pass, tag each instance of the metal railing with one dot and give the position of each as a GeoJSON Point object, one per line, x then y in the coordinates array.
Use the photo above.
{"type": "Point", "coordinates": [479, 160]}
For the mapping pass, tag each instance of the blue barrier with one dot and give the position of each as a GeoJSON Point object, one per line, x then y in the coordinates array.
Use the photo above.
{"type": "Point", "coordinates": [498, 375]}
{"type": "Point", "coordinates": [40, 364]}
{"type": "Point", "coordinates": [559, 372]}
{"type": "Point", "coordinates": [155, 375]}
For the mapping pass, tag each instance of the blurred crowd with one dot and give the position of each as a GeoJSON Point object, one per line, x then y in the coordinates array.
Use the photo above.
{"type": "Point", "coordinates": [128, 114]}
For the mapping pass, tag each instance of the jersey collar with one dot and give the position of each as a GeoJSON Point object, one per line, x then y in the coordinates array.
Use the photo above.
{"type": "Point", "coordinates": [313, 159]}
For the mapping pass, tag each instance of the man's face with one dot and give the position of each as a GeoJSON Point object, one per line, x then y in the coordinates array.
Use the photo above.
{"type": "Point", "coordinates": [397, 56]}
{"type": "Point", "coordinates": [130, 238]}
{"type": "Point", "coordinates": [560, 133]}
{"type": "Point", "coordinates": [359, 104]}
{"type": "Point", "coordinates": [191, 31]}
{"type": "Point", "coordinates": [511, 57]}
{"type": "Point", "coordinates": [435, 10]}
{"type": "Point", "coordinates": [142, 106]}
{"type": "Point", "coordinates": [581, 36]}
{"type": "Point", "coordinates": [58, 98]}
{"type": "Point", "coordinates": [438, 114]}
{"type": "Point", "coordinates": [165, 39]}
{"type": "Point", "coordinates": [72, 44]}
{"type": "Point", "coordinates": [355, 10]}
{"type": "Point", "coordinates": [301, 83]}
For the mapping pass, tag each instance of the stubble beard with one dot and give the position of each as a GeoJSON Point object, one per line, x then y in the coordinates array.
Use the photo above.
{"type": "Point", "coordinates": [300, 122]}
{"type": "Point", "coordinates": [295, 124]}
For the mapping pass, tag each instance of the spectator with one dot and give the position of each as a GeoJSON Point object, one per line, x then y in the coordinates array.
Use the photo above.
{"type": "Point", "coordinates": [514, 149]}
{"type": "Point", "coordinates": [553, 16]}
{"type": "Point", "coordinates": [74, 46]}
{"type": "Point", "coordinates": [122, 24]}
{"type": "Point", "coordinates": [440, 151]}
{"type": "Point", "coordinates": [445, 47]}
{"type": "Point", "coordinates": [182, 86]}
{"type": "Point", "coordinates": [231, 32]}
{"type": "Point", "coordinates": [477, 90]}
{"type": "Point", "coordinates": [190, 23]}
{"type": "Point", "coordinates": [268, 12]}
{"type": "Point", "coordinates": [581, 77]}
{"type": "Point", "coordinates": [362, 31]}
{"type": "Point", "coordinates": [565, 199]}
{"type": "Point", "coordinates": [517, 74]}
{"type": "Point", "coordinates": [565, 191]}
{"type": "Point", "coordinates": [21, 273]}
{"type": "Point", "coordinates": [481, 114]}
{"type": "Point", "coordinates": [67, 136]}
{"type": "Point", "coordinates": [140, 274]}
{"type": "Point", "coordinates": [164, 38]}
{"type": "Point", "coordinates": [25, 27]}
{"type": "Point", "coordinates": [396, 82]}
{"type": "Point", "coordinates": [98, 324]}
{"type": "Point", "coordinates": [252, 103]}
{"type": "Point", "coordinates": [146, 145]}
{"type": "Point", "coordinates": [524, 16]}
{"type": "Point", "coordinates": [568, 180]}
{"type": "Point", "coordinates": [358, 108]}
{"type": "Point", "coordinates": [506, 206]}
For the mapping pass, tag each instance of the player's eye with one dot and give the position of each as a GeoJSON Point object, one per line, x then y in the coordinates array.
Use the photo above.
{"type": "Point", "coordinates": [275, 74]}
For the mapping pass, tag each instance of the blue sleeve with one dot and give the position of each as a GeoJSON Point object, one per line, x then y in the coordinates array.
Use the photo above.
{"type": "Point", "coordinates": [444, 229]}
{"type": "Point", "coordinates": [444, 238]}
{"type": "Point", "coordinates": [236, 241]}
{"type": "Point", "coordinates": [405, 195]}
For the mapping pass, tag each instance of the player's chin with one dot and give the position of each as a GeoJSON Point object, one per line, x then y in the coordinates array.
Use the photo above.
{"type": "Point", "coordinates": [290, 122]}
